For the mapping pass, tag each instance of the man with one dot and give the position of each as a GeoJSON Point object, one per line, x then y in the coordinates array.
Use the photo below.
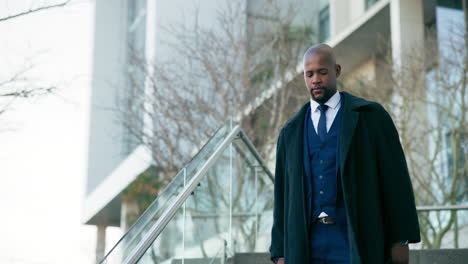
{"type": "Point", "coordinates": [342, 189]}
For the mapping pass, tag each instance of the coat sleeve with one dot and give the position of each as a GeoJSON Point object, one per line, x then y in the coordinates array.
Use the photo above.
{"type": "Point", "coordinates": [277, 232]}
{"type": "Point", "coordinates": [399, 209]}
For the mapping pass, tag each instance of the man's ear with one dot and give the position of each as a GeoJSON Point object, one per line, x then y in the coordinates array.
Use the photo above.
{"type": "Point", "coordinates": [338, 69]}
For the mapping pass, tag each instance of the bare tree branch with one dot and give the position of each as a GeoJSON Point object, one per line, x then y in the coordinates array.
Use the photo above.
{"type": "Point", "coordinates": [34, 10]}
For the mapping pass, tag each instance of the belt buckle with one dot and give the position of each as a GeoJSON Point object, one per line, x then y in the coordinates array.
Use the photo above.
{"type": "Point", "coordinates": [326, 220]}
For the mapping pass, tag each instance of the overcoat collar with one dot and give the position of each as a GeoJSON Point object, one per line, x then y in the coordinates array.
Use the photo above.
{"type": "Point", "coordinates": [351, 105]}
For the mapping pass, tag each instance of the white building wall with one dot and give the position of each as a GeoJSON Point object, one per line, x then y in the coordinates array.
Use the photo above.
{"type": "Point", "coordinates": [407, 29]}
{"type": "Point", "coordinates": [356, 9]}
{"type": "Point", "coordinates": [106, 135]}
{"type": "Point", "coordinates": [340, 15]}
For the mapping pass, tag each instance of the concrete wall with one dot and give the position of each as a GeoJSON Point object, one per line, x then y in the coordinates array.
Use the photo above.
{"type": "Point", "coordinates": [366, 72]}
{"type": "Point", "coordinates": [105, 134]}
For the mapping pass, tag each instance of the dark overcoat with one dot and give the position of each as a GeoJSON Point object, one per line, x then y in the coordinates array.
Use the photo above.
{"type": "Point", "coordinates": [374, 179]}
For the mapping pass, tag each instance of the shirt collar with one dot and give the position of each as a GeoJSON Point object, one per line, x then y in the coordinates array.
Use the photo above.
{"type": "Point", "coordinates": [333, 102]}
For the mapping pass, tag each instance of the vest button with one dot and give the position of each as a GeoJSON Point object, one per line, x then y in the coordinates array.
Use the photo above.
{"type": "Point", "coordinates": [321, 192]}
{"type": "Point", "coordinates": [321, 176]}
{"type": "Point", "coordinates": [321, 161]}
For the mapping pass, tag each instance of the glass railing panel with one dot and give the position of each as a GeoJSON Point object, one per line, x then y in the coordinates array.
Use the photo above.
{"type": "Point", "coordinates": [228, 212]}
{"type": "Point", "coordinates": [264, 207]}
{"type": "Point", "coordinates": [169, 245]}
{"type": "Point", "coordinates": [207, 221]}
{"type": "Point", "coordinates": [199, 234]}
{"type": "Point", "coordinates": [244, 201]}
{"type": "Point", "coordinates": [200, 158]}
{"type": "Point", "coordinates": [167, 197]}
{"type": "Point", "coordinates": [443, 229]}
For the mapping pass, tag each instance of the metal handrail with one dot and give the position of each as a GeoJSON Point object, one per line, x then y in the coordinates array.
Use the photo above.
{"type": "Point", "coordinates": [252, 149]}
{"type": "Point", "coordinates": [161, 223]}
{"type": "Point", "coordinates": [441, 207]}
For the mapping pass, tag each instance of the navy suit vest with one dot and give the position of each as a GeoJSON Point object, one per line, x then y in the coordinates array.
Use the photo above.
{"type": "Point", "coordinates": [321, 164]}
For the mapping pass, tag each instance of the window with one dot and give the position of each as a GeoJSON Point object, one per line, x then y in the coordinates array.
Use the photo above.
{"type": "Point", "coordinates": [457, 150]}
{"type": "Point", "coordinates": [455, 4]}
{"type": "Point", "coordinates": [135, 78]}
{"type": "Point", "coordinates": [136, 26]}
{"type": "Point", "coordinates": [324, 23]}
{"type": "Point", "coordinates": [370, 3]}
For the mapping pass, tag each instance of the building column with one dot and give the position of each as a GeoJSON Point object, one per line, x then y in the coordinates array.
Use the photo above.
{"type": "Point", "coordinates": [150, 51]}
{"type": "Point", "coordinates": [407, 27]}
{"type": "Point", "coordinates": [408, 45]}
{"type": "Point", "coordinates": [101, 243]}
{"type": "Point", "coordinates": [339, 16]}
{"type": "Point", "coordinates": [409, 71]}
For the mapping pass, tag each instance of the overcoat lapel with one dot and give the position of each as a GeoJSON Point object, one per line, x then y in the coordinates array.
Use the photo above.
{"type": "Point", "coordinates": [348, 127]}
{"type": "Point", "coordinates": [348, 123]}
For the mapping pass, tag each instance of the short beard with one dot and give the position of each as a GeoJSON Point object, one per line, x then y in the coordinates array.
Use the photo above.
{"type": "Point", "coordinates": [326, 96]}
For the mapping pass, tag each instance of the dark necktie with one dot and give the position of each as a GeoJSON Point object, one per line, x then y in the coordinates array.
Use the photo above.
{"type": "Point", "coordinates": [322, 125]}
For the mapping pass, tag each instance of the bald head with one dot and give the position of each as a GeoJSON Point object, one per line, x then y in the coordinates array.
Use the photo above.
{"type": "Point", "coordinates": [324, 51]}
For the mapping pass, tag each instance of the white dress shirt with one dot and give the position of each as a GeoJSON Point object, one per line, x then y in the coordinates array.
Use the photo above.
{"type": "Point", "coordinates": [334, 104]}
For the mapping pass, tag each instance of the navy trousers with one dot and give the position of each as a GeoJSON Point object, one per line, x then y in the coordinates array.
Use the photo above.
{"type": "Point", "coordinates": [329, 244]}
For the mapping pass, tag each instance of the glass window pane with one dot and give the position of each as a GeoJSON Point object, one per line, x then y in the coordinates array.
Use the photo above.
{"type": "Point", "coordinates": [324, 24]}
{"type": "Point", "coordinates": [370, 3]}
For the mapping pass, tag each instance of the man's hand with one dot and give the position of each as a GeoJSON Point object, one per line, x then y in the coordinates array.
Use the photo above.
{"type": "Point", "coordinates": [280, 261]}
{"type": "Point", "coordinates": [400, 254]}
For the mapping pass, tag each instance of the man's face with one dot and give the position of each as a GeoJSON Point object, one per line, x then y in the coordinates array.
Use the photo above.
{"type": "Point", "coordinates": [320, 77]}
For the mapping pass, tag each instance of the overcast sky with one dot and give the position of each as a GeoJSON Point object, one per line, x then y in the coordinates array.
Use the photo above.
{"type": "Point", "coordinates": [43, 141]}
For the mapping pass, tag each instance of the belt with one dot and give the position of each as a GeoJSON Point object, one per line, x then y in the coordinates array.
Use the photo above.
{"type": "Point", "coordinates": [326, 220]}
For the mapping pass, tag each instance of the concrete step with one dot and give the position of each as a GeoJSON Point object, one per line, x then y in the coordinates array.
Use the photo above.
{"type": "Point", "coordinates": [196, 261]}
{"type": "Point", "coordinates": [424, 256]}
{"type": "Point", "coordinates": [251, 258]}
{"type": "Point", "coordinates": [439, 256]}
